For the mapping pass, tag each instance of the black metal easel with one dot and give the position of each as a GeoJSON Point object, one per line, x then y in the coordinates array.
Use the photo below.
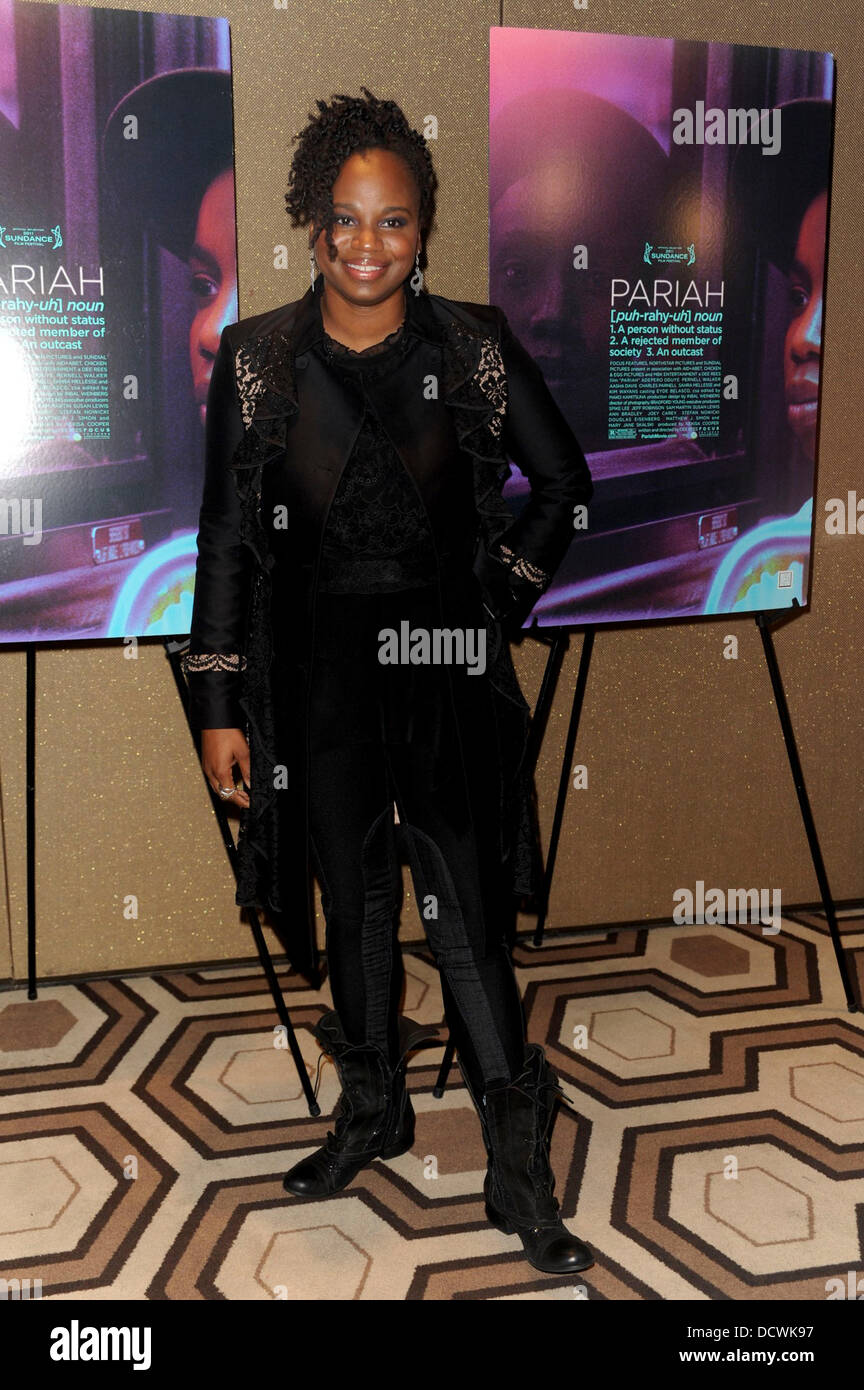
{"type": "Point", "coordinates": [173, 649]}
{"type": "Point", "coordinates": [765, 625]}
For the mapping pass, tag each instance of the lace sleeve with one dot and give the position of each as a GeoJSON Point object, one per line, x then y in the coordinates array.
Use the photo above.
{"type": "Point", "coordinates": [215, 658]}
{"type": "Point", "coordinates": [212, 661]}
{"type": "Point", "coordinates": [521, 568]}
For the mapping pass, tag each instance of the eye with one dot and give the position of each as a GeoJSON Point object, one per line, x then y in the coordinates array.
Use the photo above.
{"type": "Point", "coordinates": [203, 286]}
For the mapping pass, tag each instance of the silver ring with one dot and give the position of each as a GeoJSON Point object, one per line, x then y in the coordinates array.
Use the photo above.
{"type": "Point", "coordinates": [227, 792]}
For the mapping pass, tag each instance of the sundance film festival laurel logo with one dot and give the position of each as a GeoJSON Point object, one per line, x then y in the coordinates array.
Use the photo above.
{"type": "Point", "coordinates": [51, 238]}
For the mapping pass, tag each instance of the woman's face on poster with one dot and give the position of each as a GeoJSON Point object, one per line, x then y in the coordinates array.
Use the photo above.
{"type": "Point", "coordinates": [213, 278]}
{"type": "Point", "coordinates": [802, 356]}
{"type": "Point", "coordinates": [561, 313]}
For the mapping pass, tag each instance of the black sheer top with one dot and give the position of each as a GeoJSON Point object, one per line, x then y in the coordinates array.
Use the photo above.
{"type": "Point", "coordinates": [377, 537]}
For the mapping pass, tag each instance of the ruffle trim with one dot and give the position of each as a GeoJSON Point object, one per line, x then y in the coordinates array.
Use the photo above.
{"type": "Point", "coordinates": [475, 389]}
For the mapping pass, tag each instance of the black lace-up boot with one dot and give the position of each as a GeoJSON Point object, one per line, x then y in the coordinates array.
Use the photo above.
{"type": "Point", "coordinates": [516, 1119]}
{"type": "Point", "coordinates": [374, 1117]}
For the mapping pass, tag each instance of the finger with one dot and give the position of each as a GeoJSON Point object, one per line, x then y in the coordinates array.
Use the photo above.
{"type": "Point", "coordinates": [237, 798]}
{"type": "Point", "coordinates": [227, 779]}
{"type": "Point", "coordinates": [240, 766]}
{"type": "Point", "coordinates": [223, 777]}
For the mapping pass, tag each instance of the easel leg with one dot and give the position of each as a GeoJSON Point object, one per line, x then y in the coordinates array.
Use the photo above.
{"type": "Point", "coordinates": [444, 1070]}
{"type": "Point", "coordinates": [172, 651]}
{"type": "Point", "coordinates": [804, 802]}
{"type": "Point", "coordinates": [554, 661]}
{"type": "Point", "coordinates": [284, 1017]}
{"type": "Point", "coordinates": [564, 780]}
{"type": "Point", "coordinates": [30, 774]}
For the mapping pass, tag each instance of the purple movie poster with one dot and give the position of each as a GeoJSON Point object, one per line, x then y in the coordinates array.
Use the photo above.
{"type": "Point", "coordinates": [118, 271]}
{"type": "Point", "coordinates": [658, 218]}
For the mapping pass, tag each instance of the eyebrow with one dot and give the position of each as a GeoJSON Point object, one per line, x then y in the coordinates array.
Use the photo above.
{"type": "Point", "coordinates": [798, 268]}
{"type": "Point", "coordinates": [396, 207]}
{"type": "Point", "coordinates": [198, 252]}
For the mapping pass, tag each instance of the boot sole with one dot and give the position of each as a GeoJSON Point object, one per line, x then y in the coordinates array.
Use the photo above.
{"type": "Point", "coordinates": [392, 1152]}
{"type": "Point", "coordinates": [396, 1149]}
{"type": "Point", "coordinates": [507, 1228]}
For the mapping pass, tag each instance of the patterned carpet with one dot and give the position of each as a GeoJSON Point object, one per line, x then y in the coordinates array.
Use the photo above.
{"type": "Point", "coordinates": [718, 1152]}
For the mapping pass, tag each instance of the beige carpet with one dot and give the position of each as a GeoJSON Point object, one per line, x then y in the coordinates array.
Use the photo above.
{"type": "Point", "coordinates": [718, 1153]}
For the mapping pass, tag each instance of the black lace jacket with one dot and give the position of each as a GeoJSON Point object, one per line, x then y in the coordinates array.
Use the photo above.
{"type": "Point", "coordinates": [273, 409]}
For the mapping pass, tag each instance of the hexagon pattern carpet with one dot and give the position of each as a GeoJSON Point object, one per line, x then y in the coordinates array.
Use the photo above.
{"type": "Point", "coordinates": [716, 1150]}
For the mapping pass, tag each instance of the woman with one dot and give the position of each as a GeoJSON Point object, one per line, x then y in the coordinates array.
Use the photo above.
{"type": "Point", "coordinates": [356, 447]}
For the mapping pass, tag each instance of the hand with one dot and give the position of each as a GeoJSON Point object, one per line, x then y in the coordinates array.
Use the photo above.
{"type": "Point", "coordinates": [494, 579]}
{"type": "Point", "coordinates": [220, 750]}
{"type": "Point", "coordinates": [524, 596]}
{"type": "Point", "coordinates": [508, 597]}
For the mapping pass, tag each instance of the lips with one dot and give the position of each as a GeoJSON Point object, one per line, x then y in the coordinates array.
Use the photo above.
{"type": "Point", "coordinates": [553, 367]}
{"type": "Point", "coordinates": [364, 269]}
{"type": "Point", "coordinates": [802, 403]}
{"type": "Point", "coordinates": [803, 392]}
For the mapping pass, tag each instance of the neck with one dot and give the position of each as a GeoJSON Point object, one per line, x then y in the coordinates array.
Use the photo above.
{"type": "Point", "coordinates": [360, 325]}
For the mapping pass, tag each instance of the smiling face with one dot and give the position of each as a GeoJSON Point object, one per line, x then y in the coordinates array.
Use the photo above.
{"type": "Point", "coordinates": [213, 273]}
{"type": "Point", "coordinates": [377, 230]}
{"type": "Point", "coordinates": [802, 356]}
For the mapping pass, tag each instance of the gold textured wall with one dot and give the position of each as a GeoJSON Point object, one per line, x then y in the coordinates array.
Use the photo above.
{"type": "Point", "coordinates": [688, 777]}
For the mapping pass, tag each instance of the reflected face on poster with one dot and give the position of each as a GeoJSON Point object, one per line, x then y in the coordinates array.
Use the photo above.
{"type": "Point", "coordinates": [116, 284]}
{"type": "Point", "coordinates": [802, 358]}
{"type": "Point", "coordinates": [661, 254]}
{"type": "Point", "coordinates": [576, 187]}
{"type": "Point", "coordinates": [213, 277]}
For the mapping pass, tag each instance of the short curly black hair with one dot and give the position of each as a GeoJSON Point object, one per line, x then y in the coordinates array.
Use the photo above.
{"type": "Point", "coordinates": [342, 128]}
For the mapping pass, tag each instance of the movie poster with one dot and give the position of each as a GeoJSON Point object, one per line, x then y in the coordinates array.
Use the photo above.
{"type": "Point", "coordinates": [118, 271]}
{"type": "Point", "coordinates": [658, 234]}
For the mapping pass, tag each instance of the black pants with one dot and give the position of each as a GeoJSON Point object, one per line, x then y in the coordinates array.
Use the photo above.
{"type": "Point", "coordinates": [381, 734]}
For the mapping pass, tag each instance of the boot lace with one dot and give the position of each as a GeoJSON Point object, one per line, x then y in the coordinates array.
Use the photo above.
{"type": "Point", "coordinates": [539, 1164]}
{"type": "Point", "coordinates": [335, 1137]}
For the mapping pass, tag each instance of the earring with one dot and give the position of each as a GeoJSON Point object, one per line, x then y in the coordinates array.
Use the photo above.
{"type": "Point", "coordinates": [312, 267]}
{"type": "Point", "coordinates": [416, 281]}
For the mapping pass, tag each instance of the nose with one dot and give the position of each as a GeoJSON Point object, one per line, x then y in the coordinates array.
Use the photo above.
{"type": "Point", "coordinates": [549, 302]}
{"type": "Point", "coordinates": [366, 236]}
{"type": "Point", "coordinates": [221, 312]}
